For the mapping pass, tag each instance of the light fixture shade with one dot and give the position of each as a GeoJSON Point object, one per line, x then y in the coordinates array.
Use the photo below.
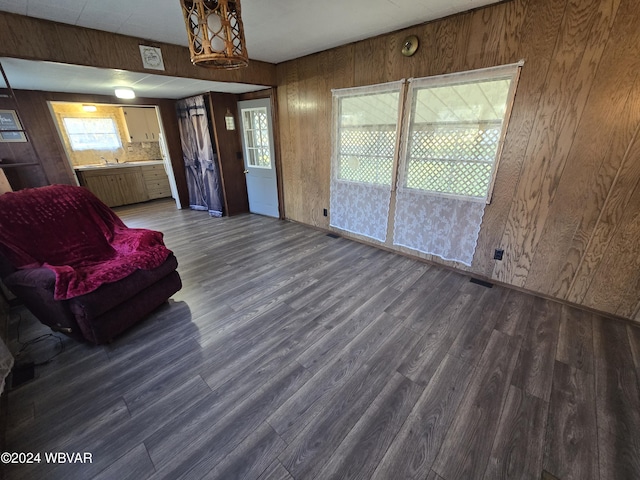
{"type": "Point", "coordinates": [125, 93]}
{"type": "Point", "coordinates": [216, 34]}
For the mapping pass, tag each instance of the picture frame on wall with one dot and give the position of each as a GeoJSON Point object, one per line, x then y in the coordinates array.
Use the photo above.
{"type": "Point", "coordinates": [10, 127]}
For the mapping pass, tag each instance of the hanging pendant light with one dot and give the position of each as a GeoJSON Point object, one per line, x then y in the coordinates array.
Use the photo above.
{"type": "Point", "coordinates": [216, 34]}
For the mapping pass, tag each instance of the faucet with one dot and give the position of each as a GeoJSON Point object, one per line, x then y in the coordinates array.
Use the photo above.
{"type": "Point", "coordinates": [106, 162]}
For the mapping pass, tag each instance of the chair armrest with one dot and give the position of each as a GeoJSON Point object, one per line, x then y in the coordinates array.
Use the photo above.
{"type": "Point", "coordinates": [35, 287]}
{"type": "Point", "coordinates": [32, 277]}
{"type": "Point", "coordinates": [131, 240]}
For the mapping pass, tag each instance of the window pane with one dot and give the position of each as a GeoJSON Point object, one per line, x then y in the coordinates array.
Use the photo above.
{"type": "Point", "coordinates": [92, 133]}
{"type": "Point", "coordinates": [367, 137]}
{"type": "Point", "coordinates": [256, 136]}
{"type": "Point", "coordinates": [365, 128]}
{"type": "Point", "coordinates": [454, 137]}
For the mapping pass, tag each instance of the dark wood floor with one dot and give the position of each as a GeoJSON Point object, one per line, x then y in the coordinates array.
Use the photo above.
{"type": "Point", "coordinates": [292, 355]}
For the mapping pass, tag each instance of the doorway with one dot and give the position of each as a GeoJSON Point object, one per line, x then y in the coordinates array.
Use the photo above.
{"type": "Point", "coordinates": [256, 127]}
{"type": "Point", "coordinates": [116, 151]}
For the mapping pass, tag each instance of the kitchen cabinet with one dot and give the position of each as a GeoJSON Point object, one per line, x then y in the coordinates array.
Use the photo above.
{"type": "Point", "coordinates": [156, 181]}
{"type": "Point", "coordinates": [125, 185]}
{"type": "Point", "coordinates": [142, 124]}
{"type": "Point", "coordinates": [116, 186]}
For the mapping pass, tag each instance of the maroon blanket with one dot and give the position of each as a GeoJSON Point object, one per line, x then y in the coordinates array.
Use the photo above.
{"type": "Point", "coordinates": [68, 230]}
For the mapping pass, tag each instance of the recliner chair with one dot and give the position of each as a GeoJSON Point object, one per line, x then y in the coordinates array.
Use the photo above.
{"type": "Point", "coordinates": [84, 273]}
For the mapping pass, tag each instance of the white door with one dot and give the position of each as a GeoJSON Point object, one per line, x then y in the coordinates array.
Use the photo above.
{"type": "Point", "coordinates": [259, 159]}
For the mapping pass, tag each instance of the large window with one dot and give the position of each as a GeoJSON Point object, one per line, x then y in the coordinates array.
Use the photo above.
{"type": "Point", "coordinates": [366, 123]}
{"type": "Point", "coordinates": [367, 136]}
{"type": "Point", "coordinates": [92, 133]}
{"type": "Point", "coordinates": [453, 129]}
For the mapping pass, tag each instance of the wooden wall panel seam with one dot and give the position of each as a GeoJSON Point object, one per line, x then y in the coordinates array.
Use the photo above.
{"type": "Point", "coordinates": [621, 260]}
{"type": "Point", "coordinates": [579, 296]}
{"type": "Point", "coordinates": [566, 90]}
{"type": "Point", "coordinates": [571, 216]}
{"type": "Point", "coordinates": [525, 110]}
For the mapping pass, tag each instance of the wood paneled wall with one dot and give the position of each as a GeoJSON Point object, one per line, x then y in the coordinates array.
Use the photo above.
{"type": "Point", "coordinates": [566, 205]}
{"type": "Point", "coordinates": [229, 150]}
{"type": "Point", "coordinates": [43, 135]}
{"type": "Point", "coordinates": [43, 148]}
{"type": "Point", "coordinates": [59, 42]}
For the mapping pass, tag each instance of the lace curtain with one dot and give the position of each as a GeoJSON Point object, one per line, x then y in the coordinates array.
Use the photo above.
{"type": "Point", "coordinates": [452, 138]}
{"type": "Point", "coordinates": [359, 208]}
{"type": "Point", "coordinates": [446, 227]}
{"type": "Point", "coordinates": [365, 131]}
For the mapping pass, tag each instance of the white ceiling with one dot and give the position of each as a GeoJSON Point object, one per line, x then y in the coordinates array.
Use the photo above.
{"type": "Point", "coordinates": [275, 30]}
{"type": "Point", "coordinates": [59, 77]}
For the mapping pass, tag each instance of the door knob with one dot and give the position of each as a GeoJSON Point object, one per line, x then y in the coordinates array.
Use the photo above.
{"type": "Point", "coordinates": [246, 171]}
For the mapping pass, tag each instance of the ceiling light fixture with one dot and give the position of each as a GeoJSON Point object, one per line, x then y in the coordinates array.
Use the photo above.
{"type": "Point", "coordinates": [89, 108]}
{"type": "Point", "coordinates": [216, 34]}
{"type": "Point", "coordinates": [125, 93]}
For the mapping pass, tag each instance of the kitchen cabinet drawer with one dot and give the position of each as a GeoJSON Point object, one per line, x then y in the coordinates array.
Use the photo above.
{"type": "Point", "coordinates": [155, 176]}
{"type": "Point", "coordinates": [160, 183]}
{"type": "Point", "coordinates": [159, 193]}
{"type": "Point", "coordinates": [156, 181]}
{"type": "Point", "coordinates": [153, 168]}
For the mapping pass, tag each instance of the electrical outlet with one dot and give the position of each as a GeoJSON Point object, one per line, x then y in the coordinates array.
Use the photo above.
{"type": "Point", "coordinates": [324, 212]}
{"type": "Point", "coordinates": [497, 255]}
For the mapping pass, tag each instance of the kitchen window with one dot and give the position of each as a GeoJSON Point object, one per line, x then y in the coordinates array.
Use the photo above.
{"type": "Point", "coordinates": [92, 133]}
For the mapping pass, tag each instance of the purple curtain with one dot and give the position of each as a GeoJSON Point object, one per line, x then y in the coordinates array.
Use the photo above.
{"type": "Point", "coordinates": [200, 161]}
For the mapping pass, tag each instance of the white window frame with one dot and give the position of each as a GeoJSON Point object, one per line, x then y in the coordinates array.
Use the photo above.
{"type": "Point", "coordinates": [256, 148]}
{"type": "Point", "coordinates": [362, 207]}
{"type": "Point", "coordinates": [80, 147]}
{"type": "Point", "coordinates": [338, 96]}
{"type": "Point", "coordinates": [511, 71]}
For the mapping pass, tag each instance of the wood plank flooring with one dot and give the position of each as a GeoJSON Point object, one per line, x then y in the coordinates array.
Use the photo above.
{"type": "Point", "coordinates": [290, 355]}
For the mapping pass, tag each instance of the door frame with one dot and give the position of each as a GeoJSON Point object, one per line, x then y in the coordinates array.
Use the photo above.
{"type": "Point", "coordinates": [271, 94]}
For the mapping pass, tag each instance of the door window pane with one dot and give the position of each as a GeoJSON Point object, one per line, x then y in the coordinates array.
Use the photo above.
{"type": "Point", "coordinates": [256, 136]}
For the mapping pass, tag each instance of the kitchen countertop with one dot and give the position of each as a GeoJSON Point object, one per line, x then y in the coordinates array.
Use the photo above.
{"type": "Point", "coordinates": [103, 166]}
